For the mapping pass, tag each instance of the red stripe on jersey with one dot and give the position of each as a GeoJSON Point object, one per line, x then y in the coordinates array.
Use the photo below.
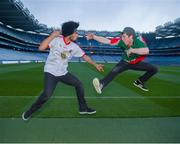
{"type": "Point", "coordinates": [67, 43]}
{"type": "Point", "coordinates": [142, 39]}
{"type": "Point", "coordinates": [83, 55]}
{"type": "Point", "coordinates": [115, 40]}
{"type": "Point", "coordinates": [137, 60]}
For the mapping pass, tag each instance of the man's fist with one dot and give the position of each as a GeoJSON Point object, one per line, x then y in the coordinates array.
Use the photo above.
{"type": "Point", "coordinates": [89, 36]}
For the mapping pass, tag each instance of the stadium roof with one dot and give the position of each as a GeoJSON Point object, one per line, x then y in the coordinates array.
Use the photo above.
{"type": "Point", "coordinates": [169, 29]}
{"type": "Point", "coordinates": [13, 13]}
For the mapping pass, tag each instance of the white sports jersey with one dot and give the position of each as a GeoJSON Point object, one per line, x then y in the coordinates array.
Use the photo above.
{"type": "Point", "coordinates": [59, 56]}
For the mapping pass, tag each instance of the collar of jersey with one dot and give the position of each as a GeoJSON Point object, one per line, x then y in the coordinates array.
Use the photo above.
{"type": "Point", "coordinates": [66, 42]}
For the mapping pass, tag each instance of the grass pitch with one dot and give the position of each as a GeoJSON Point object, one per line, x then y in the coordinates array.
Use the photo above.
{"type": "Point", "coordinates": [22, 83]}
{"type": "Point", "coordinates": [124, 112]}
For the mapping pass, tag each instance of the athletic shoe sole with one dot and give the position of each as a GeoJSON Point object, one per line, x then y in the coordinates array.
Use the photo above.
{"type": "Point", "coordinates": [140, 87]}
{"type": "Point", "coordinates": [25, 119]}
{"type": "Point", "coordinates": [83, 113]}
{"type": "Point", "coordinates": [96, 85]}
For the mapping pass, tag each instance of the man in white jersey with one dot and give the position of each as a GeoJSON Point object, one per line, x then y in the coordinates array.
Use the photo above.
{"type": "Point", "coordinates": [62, 49]}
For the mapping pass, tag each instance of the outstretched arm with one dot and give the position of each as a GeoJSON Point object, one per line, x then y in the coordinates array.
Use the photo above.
{"type": "Point", "coordinates": [140, 51]}
{"type": "Point", "coordinates": [100, 39]}
{"type": "Point", "coordinates": [45, 43]}
{"type": "Point", "coordinates": [99, 67]}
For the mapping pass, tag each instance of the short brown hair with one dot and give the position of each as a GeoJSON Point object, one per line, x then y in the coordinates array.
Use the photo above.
{"type": "Point", "coordinates": [129, 31]}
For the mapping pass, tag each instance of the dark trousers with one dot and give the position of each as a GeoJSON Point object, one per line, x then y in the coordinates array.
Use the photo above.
{"type": "Point", "coordinates": [123, 66]}
{"type": "Point", "coordinates": [50, 83]}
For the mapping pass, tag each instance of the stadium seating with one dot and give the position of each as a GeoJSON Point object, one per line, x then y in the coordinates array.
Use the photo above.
{"type": "Point", "coordinates": [9, 54]}
{"type": "Point", "coordinates": [25, 45]}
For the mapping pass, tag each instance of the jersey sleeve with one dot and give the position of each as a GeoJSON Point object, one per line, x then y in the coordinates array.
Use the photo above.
{"type": "Point", "coordinates": [78, 52]}
{"type": "Point", "coordinates": [114, 40]}
{"type": "Point", "coordinates": [53, 43]}
{"type": "Point", "coordinates": [121, 45]}
{"type": "Point", "coordinates": [141, 43]}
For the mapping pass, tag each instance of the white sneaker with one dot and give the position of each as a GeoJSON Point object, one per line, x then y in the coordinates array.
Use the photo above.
{"type": "Point", "coordinates": [97, 85]}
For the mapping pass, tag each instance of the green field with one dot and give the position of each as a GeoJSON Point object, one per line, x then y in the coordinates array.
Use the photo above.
{"type": "Point", "coordinates": [20, 84]}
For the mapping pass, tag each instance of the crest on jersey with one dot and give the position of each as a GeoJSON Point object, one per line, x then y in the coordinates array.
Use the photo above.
{"type": "Point", "coordinates": [65, 54]}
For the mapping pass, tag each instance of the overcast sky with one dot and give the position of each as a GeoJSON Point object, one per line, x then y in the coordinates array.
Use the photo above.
{"type": "Point", "coordinates": [111, 15]}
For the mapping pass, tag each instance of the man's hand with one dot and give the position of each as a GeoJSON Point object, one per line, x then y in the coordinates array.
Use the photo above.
{"type": "Point", "coordinates": [45, 43]}
{"type": "Point", "coordinates": [89, 36]}
{"type": "Point", "coordinates": [100, 39]}
{"type": "Point", "coordinates": [99, 67]}
{"type": "Point", "coordinates": [129, 52]}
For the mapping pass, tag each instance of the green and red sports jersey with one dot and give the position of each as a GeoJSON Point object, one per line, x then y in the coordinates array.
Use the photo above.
{"type": "Point", "coordinates": [134, 58]}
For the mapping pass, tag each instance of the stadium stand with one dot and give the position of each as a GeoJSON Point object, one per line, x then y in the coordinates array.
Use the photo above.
{"type": "Point", "coordinates": [14, 55]}
{"type": "Point", "coordinates": [13, 13]}
{"type": "Point", "coordinates": [18, 39]}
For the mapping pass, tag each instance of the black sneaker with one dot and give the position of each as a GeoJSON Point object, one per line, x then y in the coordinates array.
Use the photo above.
{"type": "Point", "coordinates": [140, 85]}
{"type": "Point", "coordinates": [87, 111]}
{"type": "Point", "coordinates": [26, 115]}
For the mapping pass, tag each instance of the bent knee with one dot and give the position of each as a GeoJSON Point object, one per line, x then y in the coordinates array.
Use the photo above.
{"type": "Point", "coordinates": [79, 84]}
{"type": "Point", "coordinates": [115, 70]}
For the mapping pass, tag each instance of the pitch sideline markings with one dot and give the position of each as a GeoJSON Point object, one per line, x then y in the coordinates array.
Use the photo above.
{"type": "Point", "coordinates": [101, 97]}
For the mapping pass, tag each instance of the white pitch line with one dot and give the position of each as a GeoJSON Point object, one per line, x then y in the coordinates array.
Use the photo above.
{"type": "Point", "coordinates": [101, 97]}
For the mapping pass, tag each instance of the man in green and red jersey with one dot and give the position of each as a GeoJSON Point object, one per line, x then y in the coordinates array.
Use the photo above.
{"type": "Point", "coordinates": [134, 51]}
